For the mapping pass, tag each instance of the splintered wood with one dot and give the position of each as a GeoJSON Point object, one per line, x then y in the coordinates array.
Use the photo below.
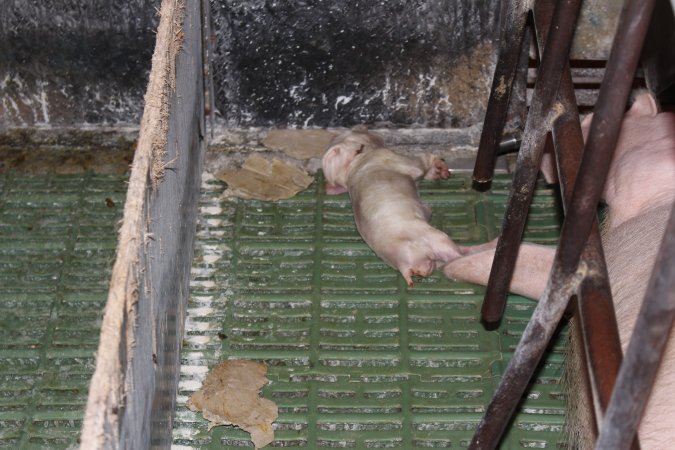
{"type": "Point", "coordinates": [229, 396]}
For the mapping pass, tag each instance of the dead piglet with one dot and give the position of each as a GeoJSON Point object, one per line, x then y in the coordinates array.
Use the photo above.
{"type": "Point", "coordinates": [388, 212]}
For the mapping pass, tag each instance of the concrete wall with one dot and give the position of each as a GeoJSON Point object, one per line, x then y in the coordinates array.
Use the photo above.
{"type": "Point", "coordinates": [292, 62]}
{"type": "Point", "coordinates": [276, 63]}
{"type": "Point", "coordinates": [68, 62]}
{"type": "Point", "coordinates": [328, 63]}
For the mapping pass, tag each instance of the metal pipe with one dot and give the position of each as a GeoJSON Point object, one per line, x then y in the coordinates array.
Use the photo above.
{"type": "Point", "coordinates": [554, 61]}
{"type": "Point", "coordinates": [584, 390]}
{"type": "Point", "coordinates": [652, 330]}
{"type": "Point", "coordinates": [513, 31]}
{"type": "Point", "coordinates": [604, 131]}
{"type": "Point", "coordinates": [578, 221]}
{"type": "Point", "coordinates": [509, 144]}
{"type": "Point", "coordinates": [598, 324]}
{"type": "Point", "coordinates": [598, 320]}
{"type": "Point", "coordinates": [532, 345]}
{"type": "Point", "coordinates": [595, 309]}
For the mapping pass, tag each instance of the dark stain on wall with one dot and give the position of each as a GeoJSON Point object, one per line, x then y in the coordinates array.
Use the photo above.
{"type": "Point", "coordinates": [326, 62]}
{"type": "Point", "coordinates": [65, 62]}
{"type": "Point", "coordinates": [277, 62]}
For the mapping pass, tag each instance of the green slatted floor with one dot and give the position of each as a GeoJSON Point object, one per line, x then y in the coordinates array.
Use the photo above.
{"type": "Point", "coordinates": [57, 244]}
{"type": "Point", "coordinates": [356, 359]}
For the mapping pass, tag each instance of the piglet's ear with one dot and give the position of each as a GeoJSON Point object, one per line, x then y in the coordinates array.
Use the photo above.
{"type": "Point", "coordinates": [334, 151]}
{"type": "Point", "coordinates": [644, 105]}
{"type": "Point", "coordinates": [334, 162]}
{"type": "Point", "coordinates": [331, 162]}
{"type": "Point", "coordinates": [331, 153]}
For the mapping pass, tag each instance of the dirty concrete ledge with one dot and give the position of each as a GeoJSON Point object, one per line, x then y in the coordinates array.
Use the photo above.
{"type": "Point", "coordinates": [457, 146]}
{"type": "Point", "coordinates": [110, 149]}
{"type": "Point", "coordinates": [68, 150]}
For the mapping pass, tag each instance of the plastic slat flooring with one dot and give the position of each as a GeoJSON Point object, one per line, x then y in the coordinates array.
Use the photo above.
{"type": "Point", "coordinates": [57, 244]}
{"type": "Point", "coordinates": [356, 359]}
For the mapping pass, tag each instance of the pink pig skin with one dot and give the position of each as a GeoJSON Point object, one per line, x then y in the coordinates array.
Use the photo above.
{"type": "Point", "coordinates": [387, 209]}
{"type": "Point", "coordinates": [639, 193]}
{"type": "Point", "coordinates": [530, 275]}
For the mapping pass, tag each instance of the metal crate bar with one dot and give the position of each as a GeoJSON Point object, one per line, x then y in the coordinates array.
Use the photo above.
{"type": "Point", "coordinates": [652, 330]}
{"type": "Point", "coordinates": [600, 333]}
{"type": "Point", "coordinates": [541, 114]}
{"type": "Point", "coordinates": [510, 43]}
{"type": "Point", "coordinates": [580, 216]}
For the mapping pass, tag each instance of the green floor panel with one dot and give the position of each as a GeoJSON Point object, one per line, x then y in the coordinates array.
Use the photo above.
{"type": "Point", "coordinates": [356, 359]}
{"type": "Point", "coordinates": [58, 236]}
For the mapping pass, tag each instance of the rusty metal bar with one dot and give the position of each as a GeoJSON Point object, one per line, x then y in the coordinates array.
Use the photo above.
{"type": "Point", "coordinates": [554, 61]}
{"type": "Point", "coordinates": [532, 345]}
{"type": "Point", "coordinates": [605, 127]}
{"type": "Point", "coordinates": [514, 22]}
{"type": "Point", "coordinates": [599, 331]}
{"type": "Point", "coordinates": [652, 330]}
{"type": "Point", "coordinates": [584, 390]}
{"type": "Point", "coordinates": [595, 309]}
{"type": "Point", "coordinates": [578, 222]}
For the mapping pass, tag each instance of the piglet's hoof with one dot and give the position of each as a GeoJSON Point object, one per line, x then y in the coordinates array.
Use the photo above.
{"type": "Point", "coordinates": [439, 170]}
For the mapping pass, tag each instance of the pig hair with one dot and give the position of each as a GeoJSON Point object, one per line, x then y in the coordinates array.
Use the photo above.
{"type": "Point", "coordinates": [579, 428]}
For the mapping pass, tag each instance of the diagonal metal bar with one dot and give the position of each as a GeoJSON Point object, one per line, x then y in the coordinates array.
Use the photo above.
{"type": "Point", "coordinates": [599, 330]}
{"type": "Point", "coordinates": [652, 330]}
{"type": "Point", "coordinates": [513, 32]}
{"type": "Point", "coordinates": [539, 119]}
{"type": "Point", "coordinates": [525, 360]}
{"type": "Point", "coordinates": [578, 222]}
{"type": "Point", "coordinates": [605, 127]}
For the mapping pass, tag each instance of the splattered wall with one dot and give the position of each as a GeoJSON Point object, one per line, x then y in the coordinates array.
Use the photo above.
{"type": "Point", "coordinates": [276, 63]}
{"type": "Point", "coordinates": [325, 62]}
{"type": "Point", "coordinates": [66, 62]}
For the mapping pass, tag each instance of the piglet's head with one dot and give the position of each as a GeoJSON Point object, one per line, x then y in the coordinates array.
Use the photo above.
{"type": "Point", "coordinates": [342, 152]}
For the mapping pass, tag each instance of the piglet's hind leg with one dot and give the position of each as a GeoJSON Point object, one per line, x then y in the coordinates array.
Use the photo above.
{"type": "Point", "coordinates": [422, 268]}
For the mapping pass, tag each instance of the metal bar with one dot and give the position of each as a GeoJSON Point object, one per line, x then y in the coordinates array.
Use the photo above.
{"type": "Point", "coordinates": [604, 131]}
{"type": "Point", "coordinates": [652, 330]}
{"type": "Point", "coordinates": [584, 390]}
{"type": "Point", "coordinates": [578, 222]}
{"type": "Point", "coordinates": [532, 345]}
{"type": "Point", "coordinates": [513, 31]}
{"type": "Point", "coordinates": [598, 324]}
{"type": "Point", "coordinates": [554, 61]}
{"type": "Point", "coordinates": [595, 309]}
